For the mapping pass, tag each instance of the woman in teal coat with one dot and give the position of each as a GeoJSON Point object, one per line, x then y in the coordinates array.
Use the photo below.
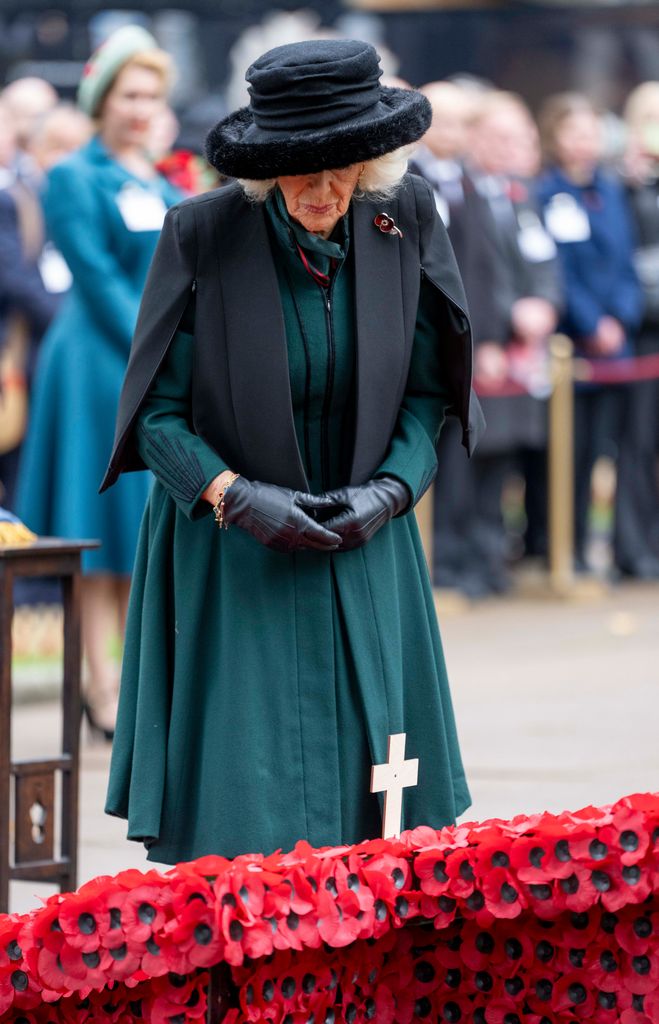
{"type": "Point", "coordinates": [104, 208]}
{"type": "Point", "coordinates": [298, 345]}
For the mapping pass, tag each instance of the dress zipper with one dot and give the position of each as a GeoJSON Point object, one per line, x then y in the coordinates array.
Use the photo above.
{"type": "Point", "coordinates": [329, 386]}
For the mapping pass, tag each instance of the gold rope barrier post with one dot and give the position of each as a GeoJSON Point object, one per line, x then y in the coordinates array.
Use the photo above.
{"type": "Point", "coordinates": [561, 467]}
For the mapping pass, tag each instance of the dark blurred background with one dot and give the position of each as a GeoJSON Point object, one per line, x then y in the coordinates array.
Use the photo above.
{"type": "Point", "coordinates": [532, 48]}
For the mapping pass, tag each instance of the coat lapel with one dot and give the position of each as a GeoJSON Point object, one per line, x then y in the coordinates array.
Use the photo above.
{"type": "Point", "coordinates": [381, 335]}
{"type": "Point", "coordinates": [256, 350]}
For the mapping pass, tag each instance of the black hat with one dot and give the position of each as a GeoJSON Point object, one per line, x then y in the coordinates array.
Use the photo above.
{"type": "Point", "coordinates": [315, 105]}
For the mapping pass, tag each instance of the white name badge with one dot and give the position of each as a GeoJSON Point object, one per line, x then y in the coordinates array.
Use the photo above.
{"type": "Point", "coordinates": [535, 244]}
{"type": "Point", "coordinates": [565, 220]}
{"type": "Point", "coordinates": [140, 209]}
{"type": "Point", "coordinates": [54, 270]}
{"type": "Point", "coordinates": [442, 208]}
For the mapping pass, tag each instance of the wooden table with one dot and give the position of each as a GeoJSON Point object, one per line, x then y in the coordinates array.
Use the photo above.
{"type": "Point", "coordinates": [28, 792]}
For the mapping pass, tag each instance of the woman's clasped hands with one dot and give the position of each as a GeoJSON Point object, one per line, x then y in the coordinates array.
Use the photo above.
{"type": "Point", "coordinates": [340, 520]}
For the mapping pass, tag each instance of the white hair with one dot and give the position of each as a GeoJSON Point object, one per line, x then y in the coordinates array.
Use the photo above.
{"type": "Point", "coordinates": [380, 178]}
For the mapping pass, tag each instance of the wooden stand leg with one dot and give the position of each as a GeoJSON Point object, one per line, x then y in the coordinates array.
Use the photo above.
{"type": "Point", "coordinates": [71, 590]}
{"type": "Point", "coordinates": [6, 616]}
{"type": "Point", "coordinates": [221, 993]}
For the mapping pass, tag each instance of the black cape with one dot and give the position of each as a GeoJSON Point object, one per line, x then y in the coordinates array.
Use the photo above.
{"type": "Point", "coordinates": [213, 274]}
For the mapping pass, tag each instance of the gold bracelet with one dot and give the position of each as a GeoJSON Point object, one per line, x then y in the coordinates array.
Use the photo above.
{"type": "Point", "coordinates": [218, 507]}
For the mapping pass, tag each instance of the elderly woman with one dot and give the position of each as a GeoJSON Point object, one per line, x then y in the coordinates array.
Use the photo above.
{"type": "Point", "coordinates": [301, 337]}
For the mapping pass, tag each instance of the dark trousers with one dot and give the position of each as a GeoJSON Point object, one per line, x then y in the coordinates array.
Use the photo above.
{"type": "Point", "coordinates": [599, 415]}
{"type": "Point", "coordinates": [470, 545]}
{"type": "Point", "coordinates": [636, 537]}
{"type": "Point", "coordinates": [533, 467]}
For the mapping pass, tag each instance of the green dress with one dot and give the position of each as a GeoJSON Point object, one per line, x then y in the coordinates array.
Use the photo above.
{"type": "Point", "coordinates": [258, 688]}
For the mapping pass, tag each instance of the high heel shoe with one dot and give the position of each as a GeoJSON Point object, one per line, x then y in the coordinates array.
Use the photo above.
{"type": "Point", "coordinates": [96, 725]}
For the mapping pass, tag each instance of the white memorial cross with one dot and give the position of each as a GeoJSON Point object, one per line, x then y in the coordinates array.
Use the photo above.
{"type": "Point", "coordinates": [391, 779]}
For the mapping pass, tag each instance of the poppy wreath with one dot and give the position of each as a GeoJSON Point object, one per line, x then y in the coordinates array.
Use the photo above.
{"type": "Point", "coordinates": [538, 920]}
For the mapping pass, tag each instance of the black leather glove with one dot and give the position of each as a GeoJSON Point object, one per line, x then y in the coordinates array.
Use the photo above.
{"type": "Point", "coordinates": [367, 508]}
{"type": "Point", "coordinates": [281, 519]}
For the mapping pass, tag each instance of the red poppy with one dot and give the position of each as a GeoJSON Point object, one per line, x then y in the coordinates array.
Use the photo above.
{"type": "Point", "coordinates": [84, 917]}
{"type": "Point", "coordinates": [208, 867]}
{"type": "Point", "coordinates": [442, 910]}
{"type": "Point", "coordinates": [84, 970]}
{"type": "Point", "coordinates": [602, 963]}
{"type": "Point", "coordinates": [125, 960]}
{"type": "Point", "coordinates": [190, 887]}
{"type": "Point", "coordinates": [143, 912]}
{"type": "Point", "coordinates": [636, 933]}
{"type": "Point", "coordinates": [430, 868]}
{"type": "Point", "coordinates": [292, 894]}
{"type": "Point", "coordinates": [633, 883]}
{"type": "Point", "coordinates": [195, 938]}
{"type": "Point", "coordinates": [334, 926]}
{"type": "Point", "coordinates": [292, 932]}
{"type": "Point", "coordinates": [159, 953]}
{"type": "Point", "coordinates": [574, 995]}
{"type": "Point", "coordinates": [18, 989]}
{"type": "Point", "coordinates": [519, 946]}
{"type": "Point", "coordinates": [628, 835]}
{"type": "Point", "coordinates": [579, 928]}
{"type": "Point", "coordinates": [460, 870]}
{"type": "Point", "coordinates": [480, 949]}
{"type": "Point", "coordinates": [257, 940]}
{"type": "Point", "coordinates": [536, 859]}
{"type": "Point", "coordinates": [517, 191]}
{"type": "Point", "coordinates": [640, 973]}
{"type": "Point", "coordinates": [389, 901]}
{"type": "Point", "coordinates": [50, 972]}
{"type": "Point", "coordinates": [503, 895]}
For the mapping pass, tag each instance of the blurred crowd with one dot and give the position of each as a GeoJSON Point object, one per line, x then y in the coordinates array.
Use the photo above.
{"type": "Point", "coordinates": [555, 225]}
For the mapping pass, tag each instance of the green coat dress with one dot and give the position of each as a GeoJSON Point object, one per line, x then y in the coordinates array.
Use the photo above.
{"type": "Point", "coordinates": [258, 687]}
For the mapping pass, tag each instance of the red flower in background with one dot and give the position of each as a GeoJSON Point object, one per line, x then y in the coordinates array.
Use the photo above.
{"type": "Point", "coordinates": [187, 171]}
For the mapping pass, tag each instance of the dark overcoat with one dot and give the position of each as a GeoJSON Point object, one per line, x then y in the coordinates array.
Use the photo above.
{"type": "Point", "coordinates": [213, 268]}
{"type": "Point", "coordinates": [259, 687]}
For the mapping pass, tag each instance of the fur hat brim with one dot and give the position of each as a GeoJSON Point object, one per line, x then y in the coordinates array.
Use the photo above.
{"type": "Point", "coordinates": [238, 148]}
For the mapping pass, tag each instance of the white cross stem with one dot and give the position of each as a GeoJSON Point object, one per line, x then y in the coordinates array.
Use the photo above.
{"type": "Point", "coordinates": [391, 779]}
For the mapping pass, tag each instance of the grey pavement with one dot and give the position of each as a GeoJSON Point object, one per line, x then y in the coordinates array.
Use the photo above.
{"type": "Point", "coordinates": [557, 704]}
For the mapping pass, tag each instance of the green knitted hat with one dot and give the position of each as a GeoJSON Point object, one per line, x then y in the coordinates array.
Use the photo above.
{"type": "Point", "coordinates": [105, 63]}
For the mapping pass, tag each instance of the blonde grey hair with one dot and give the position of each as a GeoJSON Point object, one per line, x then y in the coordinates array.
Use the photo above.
{"type": "Point", "coordinates": [380, 178]}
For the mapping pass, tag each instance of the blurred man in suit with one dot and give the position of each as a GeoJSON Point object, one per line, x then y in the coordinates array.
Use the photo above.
{"type": "Point", "coordinates": [469, 223]}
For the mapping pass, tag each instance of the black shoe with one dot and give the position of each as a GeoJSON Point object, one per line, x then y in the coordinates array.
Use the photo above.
{"type": "Point", "coordinates": [646, 568]}
{"type": "Point", "coordinates": [96, 728]}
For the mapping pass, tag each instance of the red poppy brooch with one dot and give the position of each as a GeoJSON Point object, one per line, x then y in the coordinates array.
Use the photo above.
{"type": "Point", "coordinates": [387, 225]}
